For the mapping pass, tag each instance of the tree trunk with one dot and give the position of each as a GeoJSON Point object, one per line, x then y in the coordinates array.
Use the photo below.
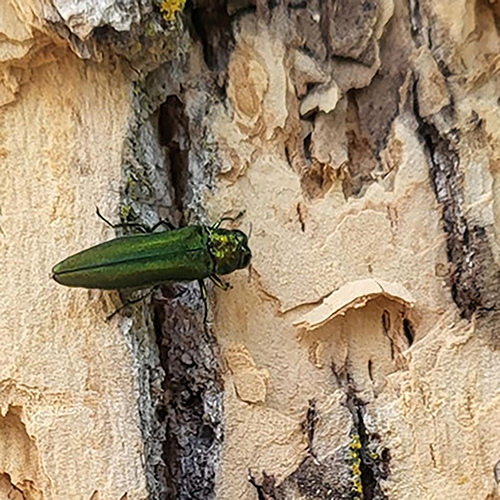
{"type": "Point", "coordinates": [358, 356]}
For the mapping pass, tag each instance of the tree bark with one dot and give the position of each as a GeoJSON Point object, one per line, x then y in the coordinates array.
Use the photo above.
{"type": "Point", "coordinates": [358, 357]}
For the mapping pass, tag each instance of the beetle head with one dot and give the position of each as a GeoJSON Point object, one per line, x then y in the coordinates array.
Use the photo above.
{"type": "Point", "coordinates": [229, 249]}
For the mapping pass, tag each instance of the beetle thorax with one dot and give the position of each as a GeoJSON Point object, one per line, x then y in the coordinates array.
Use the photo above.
{"type": "Point", "coordinates": [224, 248]}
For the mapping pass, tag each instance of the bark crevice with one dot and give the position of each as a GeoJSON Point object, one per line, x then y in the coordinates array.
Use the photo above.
{"type": "Point", "coordinates": [461, 244]}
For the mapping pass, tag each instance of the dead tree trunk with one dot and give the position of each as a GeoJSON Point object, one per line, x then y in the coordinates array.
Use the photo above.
{"type": "Point", "coordinates": [358, 357]}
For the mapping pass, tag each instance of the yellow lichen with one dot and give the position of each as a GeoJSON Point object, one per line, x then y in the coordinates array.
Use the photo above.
{"type": "Point", "coordinates": [356, 468]}
{"type": "Point", "coordinates": [356, 485]}
{"type": "Point", "coordinates": [355, 462]}
{"type": "Point", "coordinates": [355, 443]}
{"type": "Point", "coordinates": [150, 31]}
{"type": "Point", "coordinates": [125, 212]}
{"type": "Point", "coordinates": [169, 8]}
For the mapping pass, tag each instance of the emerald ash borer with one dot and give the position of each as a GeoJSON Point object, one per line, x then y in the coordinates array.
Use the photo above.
{"type": "Point", "coordinates": [136, 261]}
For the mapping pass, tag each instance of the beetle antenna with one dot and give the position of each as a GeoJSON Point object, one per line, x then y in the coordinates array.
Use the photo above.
{"type": "Point", "coordinates": [239, 215]}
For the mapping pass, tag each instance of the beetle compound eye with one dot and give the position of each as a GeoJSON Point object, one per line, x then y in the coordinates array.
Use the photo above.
{"type": "Point", "coordinates": [246, 259]}
{"type": "Point", "coordinates": [241, 237]}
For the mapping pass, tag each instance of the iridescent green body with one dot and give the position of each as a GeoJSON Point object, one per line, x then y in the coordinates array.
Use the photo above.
{"type": "Point", "coordinates": [144, 260]}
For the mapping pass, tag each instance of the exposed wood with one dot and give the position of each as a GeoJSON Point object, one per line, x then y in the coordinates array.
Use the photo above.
{"type": "Point", "coordinates": [358, 356]}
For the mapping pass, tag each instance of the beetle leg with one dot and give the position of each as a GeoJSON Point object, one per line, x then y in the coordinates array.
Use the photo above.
{"type": "Point", "coordinates": [203, 291]}
{"type": "Point", "coordinates": [129, 302]}
{"type": "Point", "coordinates": [163, 222]}
{"type": "Point", "coordinates": [102, 217]}
{"type": "Point", "coordinates": [137, 225]}
{"type": "Point", "coordinates": [142, 227]}
{"type": "Point", "coordinates": [231, 219]}
{"type": "Point", "coordinates": [216, 280]}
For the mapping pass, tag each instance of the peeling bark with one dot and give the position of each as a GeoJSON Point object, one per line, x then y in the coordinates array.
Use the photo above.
{"type": "Point", "coordinates": [357, 358]}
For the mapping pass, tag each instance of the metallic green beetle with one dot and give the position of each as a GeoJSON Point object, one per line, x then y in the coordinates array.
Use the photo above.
{"type": "Point", "coordinates": [144, 260]}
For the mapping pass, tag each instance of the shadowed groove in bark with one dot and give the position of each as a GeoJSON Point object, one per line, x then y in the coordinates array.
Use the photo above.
{"type": "Point", "coordinates": [212, 26]}
{"type": "Point", "coordinates": [474, 280]}
{"type": "Point", "coordinates": [408, 331]}
{"type": "Point", "coordinates": [192, 389]}
{"type": "Point", "coordinates": [372, 467]}
{"type": "Point", "coordinates": [460, 243]}
{"type": "Point", "coordinates": [174, 135]}
{"type": "Point", "coordinates": [351, 472]}
{"type": "Point", "coordinates": [193, 398]}
{"type": "Point", "coordinates": [475, 284]}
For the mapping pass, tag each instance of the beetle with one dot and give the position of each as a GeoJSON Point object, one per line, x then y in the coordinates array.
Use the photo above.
{"type": "Point", "coordinates": [194, 252]}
